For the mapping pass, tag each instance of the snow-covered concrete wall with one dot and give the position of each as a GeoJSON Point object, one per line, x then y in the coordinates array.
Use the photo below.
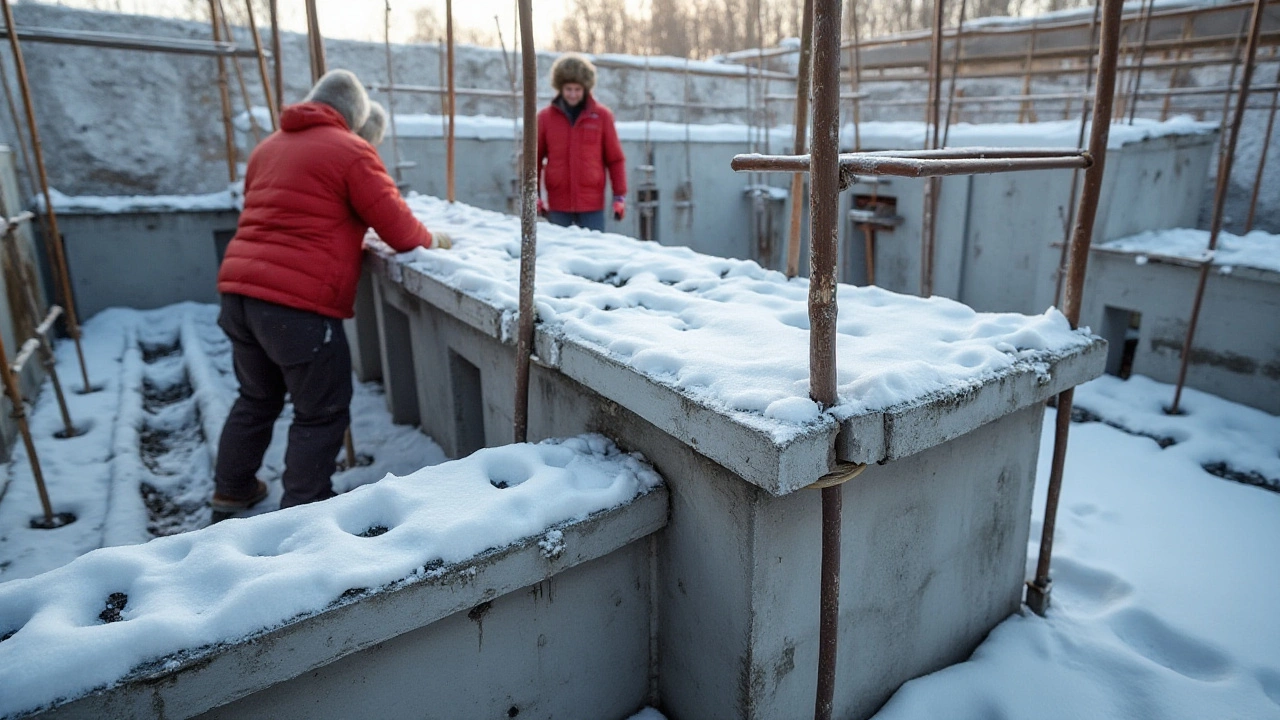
{"type": "Point", "coordinates": [120, 122]}
{"type": "Point", "coordinates": [1236, 350]}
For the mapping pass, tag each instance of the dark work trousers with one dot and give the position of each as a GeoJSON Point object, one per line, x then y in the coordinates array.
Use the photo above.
{"type": "Point", "coordinates": [278, 349]}
{"type": "Point", "coordinates": [588, 220]}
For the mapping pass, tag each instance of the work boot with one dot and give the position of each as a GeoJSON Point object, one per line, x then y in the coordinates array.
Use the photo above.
{"type": "Point", "coordinates": [224, 506]}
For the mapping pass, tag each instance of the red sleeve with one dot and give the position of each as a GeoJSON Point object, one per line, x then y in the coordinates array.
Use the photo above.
{"type": "Point", "coordinates": [377, 201]}
{"type": "Point", "coordinates": [614, 159]}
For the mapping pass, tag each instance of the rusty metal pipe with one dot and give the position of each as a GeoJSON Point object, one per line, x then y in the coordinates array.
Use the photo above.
{"type": "Point", "coordinates": [450, 182]}
{"type": "Point", "coordinates": [54, 241]}
{"type": "Point", "coordinates": [121, 41]}
{"type": "Point", "coordinates": [1262, 157]}
{"type": "Point", "coordinates": [928, 230]}
{"type": "Point", "coordinates": [1075, 175]}
{"type": "Point", "coordinates": [955, 71]}
{"type": "Point", "coordinates": [802, 126]}
{"type": "Point", "coordinates": [262, 67]}
{"type": "Point", "coordinates": [528, 219]}
{"type": "Point", "coordinates": [315, 42]}
{"type": "Point", "coordinates": [1220, 193]}
{"type": "Point", "coordinates": [224, 96]}
{"type": "Point", "coordinates": [861, 164]}
{"type": "Point", "coordinates": [277, 63]}
{"type": "Point", "coordinates": [1142, 53]}
{"type": "Point", "coordinates": [244, 88]}
{"type": "Point", "coordinates": [1038, 590]}
{"type": "Point", "coordinates": [824, 233]}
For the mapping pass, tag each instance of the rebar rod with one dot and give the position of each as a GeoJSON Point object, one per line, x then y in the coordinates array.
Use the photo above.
{"type": "Point", "coordinates": [1038, 590]}
{"type": "Point", "coordinates": [955, 69]}
{"type": "Point", "coordinates": [244, 88]}
{"type": "Point", "coordinates": [824, 238]}
{"type": "Point", "coordinates": [1142, 52]}
{"type": "Point", "coordinates": [121, 41]}
{"type": "Point", "coordinates": [20, 416]}
{"type": "Point", "coordinates": [450, 180]}
{"type": "Point", "coordinates": [1177, 67]}
{"type": "Point", "coordinates": [1220, 194]}
{"type": "Point", "coordinates": [315, 42]}
{"type": "Point", "coordinates": [391, 95]}
{"type": "Point", "coordinates": [1262, 156]}
{"type": "Point", "coordinates": [528, 220]}
{"type": "Point", "coordinates": [1026, 75]}
{"type": "Point", "coordinates": [277, 63]}
{"type": "Point", "coordinates": [54, 242]}
{"type": "Point", "coordinates": [1231, 81]}
{"type": "Point", "coordinates": [932, 187]}
{"type": "Point", "coordinates": [857, 78]}
{"type": "Point", "coordinates": [224, 96]}
{"type": "Point", "coordinates": [1069, 223]}
{"type": "Point", "coordinates": [912, 167]}
{"type": "Point", "coordinates": [262, 66]}
{"type": "Point", "coordinates": [803, 83]}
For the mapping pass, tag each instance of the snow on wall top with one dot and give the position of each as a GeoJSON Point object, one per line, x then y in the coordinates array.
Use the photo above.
{"type": "Point", "coordinates": [113, 204]}
{"type": "Point", "coordinates": [1258, 249]}
{"type": "Point", "coordinates": [241, 577]}
{"type": "Point", "coordinates": [729, 333]}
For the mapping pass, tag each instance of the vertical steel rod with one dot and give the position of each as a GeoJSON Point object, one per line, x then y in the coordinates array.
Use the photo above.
{"type": "Point", "coordinates": [391, 92]}
{"type": "Point", "coordinates": [857, 77]}
{"type": "Point", "coordinates": [955, 70]}
{"type": "Point", "coordinates": [1142, 56]}
{"type": "Point", "coordinates": [1262, 157]}
{"type": "Point", "coordinates": [528, 220]}
{"type": "Point", "coordinates": [1026, 111]}
{"type": "Point", "coordinates": [802, 127]}
{"type": "Point", "coordinates": [277, 62]}
{"type": "Point", "coordinates": [224, 96]}
{"type": "Point", "coordinates": [1038, 590]}
{"type": "Point", "coordinates": [55, 237]}
{"type": "Point", "coordinates": [19, 412]}
{"type": "Point", "coordinates": [1220, 193]}
{"type": "Point", "coordinates": [235, 64]}
{"type": "Point", "coordinates": [262, 66]}
{"type": "Point", "coordinates": [449, 148]}
{"type": "Point", "coordinates": [1061, 274]}
{"type": "Point", "coordinates": [932, 186]}
{"type": "Point", "coordinates": [824, 224]}
{"type": "Point", "coordinates": [315, 42]}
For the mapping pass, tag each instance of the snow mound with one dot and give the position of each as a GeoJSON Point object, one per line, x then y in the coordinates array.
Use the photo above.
{"type": "Point", "coordinates": [87, 624]}
{"type": "Point", "coordinates": [1258, 249]}
{"type": "Point", "coordinates": [113, 204]}
{"type": "Point", "coordinates": [727, 332]}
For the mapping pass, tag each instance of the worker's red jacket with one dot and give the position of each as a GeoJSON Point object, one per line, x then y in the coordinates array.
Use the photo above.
{"type": "Point", "coordinates": [577, 155]}
{"type": "Point", "coordinates": [311, 191]}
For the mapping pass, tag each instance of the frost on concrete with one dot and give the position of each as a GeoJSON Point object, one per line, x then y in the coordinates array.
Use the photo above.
{"type": "Point", "coordinates": [729, 333]}
{"type": "Point", "coordinates": [89, 623]}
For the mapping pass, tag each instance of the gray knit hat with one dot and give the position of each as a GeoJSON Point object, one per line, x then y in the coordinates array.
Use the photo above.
{"type": "Point", "coordinates": [573, 68]}
{"type": "Point", "coordinates": [375, 127]}
{"type": "Point", "coordinates": [342, 91]}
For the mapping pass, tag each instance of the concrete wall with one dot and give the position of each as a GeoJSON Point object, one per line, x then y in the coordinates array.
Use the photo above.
{"type": "Point", "coordinates": [144, 260]}
{"type": "Point", "coordinates": [1236, 351]}
{"type": "Point", "coordinates": [999, 237]}
{"type": "Point", "coordinates": [932, 557]}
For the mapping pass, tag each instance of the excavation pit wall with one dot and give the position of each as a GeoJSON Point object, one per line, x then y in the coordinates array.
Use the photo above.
{"type": "Point", "coordinates": [935, 529]}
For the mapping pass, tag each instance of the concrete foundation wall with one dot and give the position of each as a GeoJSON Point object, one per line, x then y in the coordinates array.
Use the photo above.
{"type": "Point", "coordinates": [532, 653]}
{"type": "Point", "coordinates": [144, 260]}
{"type": "Point", "coordinates": [932, 556]}
{"type": "Point", "coordinates": [1236, 351]}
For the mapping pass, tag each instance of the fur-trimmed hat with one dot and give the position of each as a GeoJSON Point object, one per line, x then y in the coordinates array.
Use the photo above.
{"type": "Point", "coordinates": [375, 127]}
{"type": "Point", "coordinates": [573, 68]}
{"type": "Point", "coordinates": [342, 91]}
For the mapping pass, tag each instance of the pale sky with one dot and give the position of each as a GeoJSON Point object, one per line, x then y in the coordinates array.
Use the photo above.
{"type": "Point", "coordinates": [363, 19]}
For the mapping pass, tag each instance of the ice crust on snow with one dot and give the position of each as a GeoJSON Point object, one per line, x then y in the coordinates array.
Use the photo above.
{"type": "Point", "coordinates": [729, 333]}
{"type": "Point", "coordinates": [1258, 249]}
{"type": "Point", "coordinates": [241, 577]}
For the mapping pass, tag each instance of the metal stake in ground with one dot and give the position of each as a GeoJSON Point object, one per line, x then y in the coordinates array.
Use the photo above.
{"type": "Point", "coordinates": [1220, 193]}
{"type": "Point", "coordinates": [55, 241]}
{"type": "Point", "coordinates": [528, 220]}
{"type": "Point", "coordinates": [1038, 590]}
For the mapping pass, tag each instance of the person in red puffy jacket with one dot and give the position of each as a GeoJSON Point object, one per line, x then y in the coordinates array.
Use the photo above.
{"type": "Point", "coordinates": [577, 145]}
{"type": "Point", "coordinates": [289, 277]}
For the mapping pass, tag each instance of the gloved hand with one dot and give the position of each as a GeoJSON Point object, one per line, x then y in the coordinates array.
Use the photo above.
{"type": "Point", "coordinates": [619, 207]}
{"type": "Point", "coordinates": [441, 240]}
{"type": "Point", "coordinates": [542, 208]}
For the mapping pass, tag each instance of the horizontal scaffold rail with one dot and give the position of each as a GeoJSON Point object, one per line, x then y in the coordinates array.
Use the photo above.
{"type": "Point", "coordinates": [120, 41]}
{"type": "Point", "coordinates": [926, 163]}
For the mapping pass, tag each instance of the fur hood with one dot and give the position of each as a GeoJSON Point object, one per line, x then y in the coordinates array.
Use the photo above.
{"type": "Point", "coordinates": [342, 91]}
{"type": "Point", "coordinates": [375, 127]}
{"type": "Point", "coordinates": [573, 68]}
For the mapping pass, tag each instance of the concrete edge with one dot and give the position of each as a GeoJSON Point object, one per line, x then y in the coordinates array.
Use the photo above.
{"type": "Point", "coordinates": [908, 430]}
{"type": "Point", "coordinates": [1240, 272]}
{"type": "Point", "coordinates": [214, 676]}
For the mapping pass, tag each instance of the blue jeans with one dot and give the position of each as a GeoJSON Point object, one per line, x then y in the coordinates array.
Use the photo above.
{"type": "Point", "coordinates": [588, 220]}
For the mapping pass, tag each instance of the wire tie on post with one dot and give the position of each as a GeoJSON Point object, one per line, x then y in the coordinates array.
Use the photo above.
{"type": "Point", "coordinates": [844, 472]}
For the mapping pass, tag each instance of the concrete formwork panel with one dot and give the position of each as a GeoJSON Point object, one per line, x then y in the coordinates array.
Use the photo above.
{"type": "Point", "coordinates": [1236, 351]}
{"type": "Point", "coordinates": [144, 260]}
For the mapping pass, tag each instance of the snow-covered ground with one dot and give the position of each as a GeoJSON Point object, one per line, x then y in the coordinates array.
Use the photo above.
{"type": "Point", "coordinates": [1164, 574]}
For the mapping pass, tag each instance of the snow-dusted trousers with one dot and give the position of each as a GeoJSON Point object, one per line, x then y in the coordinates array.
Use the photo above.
{"type": "Point", "coordinates": [278, 350]}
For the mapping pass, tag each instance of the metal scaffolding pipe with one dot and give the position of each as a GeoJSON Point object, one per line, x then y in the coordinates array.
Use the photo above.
{"type": "Point", "coordinates": [802, 126]}
{"type": "Point", "coordinates": [54, 242]}
{"type": "Point", "coordinates": [824, 232]}
{"type": "Point", "coordinates": [912, 167]}
{"type": "Point", "coordinates": [277, 66]}
{"type": "Point", "coordinates": [450, 178]}
{"type": "Point", "coordinates": [1220, 193]}
{"type": "Point", "coordinates": [315, 42]}
{"type": "Point", "coordinates": [1262, 156]}
{"type": "Point", "coordinates": [528, 220]}
{"type": "Point", "coordinates": [224, 96]}
{"type": "Point", "coordinates": [1038, 589]}
{"type": "Point", "coordinates": [262, 67]}
{"type": "Point", "coordinates": [120, 41]}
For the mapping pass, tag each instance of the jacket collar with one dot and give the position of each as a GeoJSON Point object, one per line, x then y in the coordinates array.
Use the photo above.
{"type": "Point", "coordinates": [310, 114]}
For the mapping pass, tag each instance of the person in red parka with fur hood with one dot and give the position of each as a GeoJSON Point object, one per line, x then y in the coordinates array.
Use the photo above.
{"type": "Point", "coordinates": [578, 142]}
{"type": "Point", "coordinates": [311, 191]}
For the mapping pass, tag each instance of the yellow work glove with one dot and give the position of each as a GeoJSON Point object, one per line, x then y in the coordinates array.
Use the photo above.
{"type": "Point", "coordinates": [441, 240]}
